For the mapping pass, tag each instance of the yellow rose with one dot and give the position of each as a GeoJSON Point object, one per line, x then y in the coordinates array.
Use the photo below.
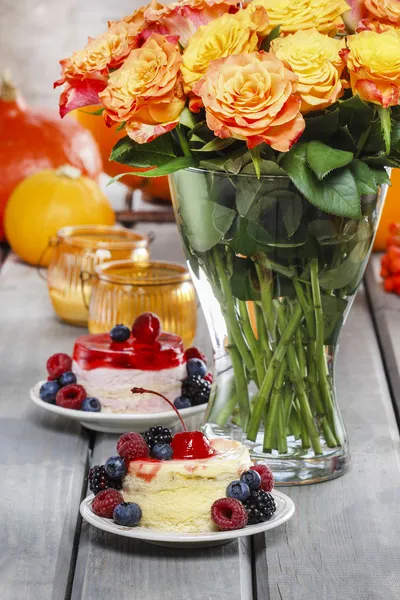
{"type": "Point", "coordinates": [384, 10]}
{"type": "Point", "coordinates": [315, 59]}
{"type": "Point", "coordinates": [230, 34]}
{"type": "Point", "coordinates": [146, 92]}
{"type": "Point", "coordinates": [252, 97]}
{"type": "Point", "coordinates": [295, 15]}
{"type": "Point", "coordinates": [373, 61]}
{"type": "Point", "coordinates": [378, 26]}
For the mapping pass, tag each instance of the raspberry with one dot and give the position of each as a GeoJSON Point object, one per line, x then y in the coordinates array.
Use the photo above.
{"type": "Point", "coordinates": [195, 353]}
{"type": "Point", "coordinates": [58, 364]}
{"type": "Point", "coordinates": [209, 377]}
{"type": "Point", "coordinates": [228, 513]}
{"type": "Point", "coordinates": [146, 329]}
{"type": "Point", "coordinates": [105, 502]}
{"type": "Point", "coordinates": [71, 396]}
{"type": "Point", "coordinates": [132, 446]}
{"type": "Point", "coordinates": [267, 479]}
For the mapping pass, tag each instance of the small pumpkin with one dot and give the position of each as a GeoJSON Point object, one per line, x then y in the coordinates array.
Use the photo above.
{"type": "Point", "coordinates": [390, 213]}
{"type": "Point", "coordinates": [46, 201]}
{"type": "Point", "coordinates": [34, 139]}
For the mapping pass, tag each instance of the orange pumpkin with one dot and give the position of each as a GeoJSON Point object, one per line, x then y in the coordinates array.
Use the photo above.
{"type": "Point", "coordinates": [390, 213]}
{"type": "Point", "coordinates": [107, 137]}
{"type": "Point", "coordinates": [35, 139]}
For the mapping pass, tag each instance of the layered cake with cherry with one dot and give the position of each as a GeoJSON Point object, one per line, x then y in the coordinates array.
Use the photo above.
{"type": "Point", "coordinates": [181, 483]}
{"type": "Point", "coordinates": [105, 366]}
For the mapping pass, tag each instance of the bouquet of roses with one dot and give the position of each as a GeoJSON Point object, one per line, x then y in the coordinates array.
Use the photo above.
{"type": "Point", "coordinates": [278, 119]}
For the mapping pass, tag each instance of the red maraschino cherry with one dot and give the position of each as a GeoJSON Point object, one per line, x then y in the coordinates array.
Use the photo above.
{"type": "Point", "coordinates": [146, 329]}
{"type": "Point", "coordinates": [186, 444]}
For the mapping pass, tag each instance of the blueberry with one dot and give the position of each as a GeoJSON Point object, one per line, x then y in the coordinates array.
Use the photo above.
{"type": "Point", "coordinates": [162, 452]}
{"type": "Point", "coordinates": [252, 478]}
{"type": "Point", "coordinates": [120, 333]}
{"type": "Point", "coordinates": [195, 366]}
{"type": "Point", "coordinates": [127, 514]}
{"type": "Point", "coordinates": [91, 405]}
{"type": "Point", "coordinates": [182, 402]}
{"type": "Point", "coordinates": [67, 378]}
{"type": "Point", "coordinates": [115, 467]}
{"type": "Point", "coordinates": [238, 490]}
{"type": "Point", "coordinates": [48, 391]}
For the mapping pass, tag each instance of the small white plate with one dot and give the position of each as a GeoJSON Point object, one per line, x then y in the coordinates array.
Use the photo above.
{"type": "Point", "coordinates": [284, 510]}
{"type": "Point", "coordinates": [121, 423]}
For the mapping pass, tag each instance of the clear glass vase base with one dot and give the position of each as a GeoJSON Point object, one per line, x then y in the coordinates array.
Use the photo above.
{"type": "Point", "coordinates": [295, 467]}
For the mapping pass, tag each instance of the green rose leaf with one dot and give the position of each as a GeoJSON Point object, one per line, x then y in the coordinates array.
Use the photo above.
{"type": "Point", "coordinates": [291, 207]}
{"type": "Point", "coordinates": [333, 309]}
{"type": "Point", "coordinates": [321, 126]}
{"type": "Point", "coordinates": [337, 194]}
{"type": "Point", "coordinates": [223, 218]}
{"type": "Point", "coordinates": [176, 164]}
{"type": "Point", "coordinates": [242, 283]}
{"type": "Point", "coordinates": [364, 177]}
{"type": "Point", "coordinates": [386, 126]}
{"type": "Point", "coordinates": [323, 159]}
{"type": "Point", "coordinates": [356, 114]}
{"type": "Point", "coordinates": [153, 154]}
{"type": "Point", "coordinates": [348, 270]}
{"type": "Point", "coordinates": [273, 34]}
{"type": "Point", "coordinates": [380, 175]}
{"type": "Point", "coordinates": [215, 144]}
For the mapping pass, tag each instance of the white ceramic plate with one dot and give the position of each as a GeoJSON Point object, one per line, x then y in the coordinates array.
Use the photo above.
{"type": "Point", "coordinates": [120, 423]}
{"type": "Point", "coordinates": [284, 510]}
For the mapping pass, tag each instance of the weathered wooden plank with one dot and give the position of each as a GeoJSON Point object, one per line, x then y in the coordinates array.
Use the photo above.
{"type": "Point", "coordinates": [344, 540]}
{"type": "Point", "coordinates": [386, 312]}
{"type": "Point", "coordinates": [43, 458]}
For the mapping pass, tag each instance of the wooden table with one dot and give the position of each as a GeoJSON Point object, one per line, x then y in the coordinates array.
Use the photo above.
{"type": "Point", "coordinates": [342, 544]}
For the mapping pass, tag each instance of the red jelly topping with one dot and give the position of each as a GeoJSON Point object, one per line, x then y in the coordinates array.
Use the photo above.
{"type": "Point", "coordinates": [191, 444]}
{"type": "Point", "coordinates": [99, 350]}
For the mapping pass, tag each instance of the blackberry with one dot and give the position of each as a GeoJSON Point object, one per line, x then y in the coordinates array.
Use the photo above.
{"type": "Point", "coordinates": [99, 480]}
{"type": "Point", "coordinates": [157, 435]}
{"type": "Point", "coordinates": [196, 389]}
{"type": "Point", "coordinates": [260, 507]}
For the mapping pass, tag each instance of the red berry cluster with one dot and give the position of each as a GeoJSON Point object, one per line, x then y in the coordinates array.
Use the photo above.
{"type": "Point", "coordinates": [390, 263]}
{"type": "Point", "coordinates": [69, 396]}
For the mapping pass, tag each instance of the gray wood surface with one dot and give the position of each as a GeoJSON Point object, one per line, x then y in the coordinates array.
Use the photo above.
{"type": "Point", "coordinates": [344, 540]}
{"type": "Point", "coordinates": [386, 312]}
{"type": "Point", "coordinates": [43, 458]}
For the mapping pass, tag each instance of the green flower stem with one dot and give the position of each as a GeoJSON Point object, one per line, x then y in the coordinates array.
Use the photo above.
{"type": "Point", "coordinates": [184, 142]}
{"type": "Point", "coordinates": [282, 439]}
{"type": "Point", "coordinates": [294, 425]}
{"type": "Point", "coordinates": [288, 403]}
{"type": "Point", "coordinates": [274, 365]}
{"type": "Point", "coordinates": [263, 336]}
{"type": "Point", "coordinates": [266, 288]}
{"type": "Point", "coordinates": [307, 308]}
{"type": "Point", "coordinates": [298, 383]}
{"type": "Point", "coordinates": [320, 352]}
{"type": "Point", "coordinates": [230, 313]}
{"type": "Point", "coordinates": [222, 417]}
{"type": "Point", "coordinates": [251, 340]}
{"type": "Point", "coordinates": [272, 424]}
{"type": "Point", "coordinates": [242, 392]}
{"type": "Point", "coordinates": [301, 355]}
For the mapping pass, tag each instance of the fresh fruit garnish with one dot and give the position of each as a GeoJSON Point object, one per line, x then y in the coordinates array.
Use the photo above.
{"type": "Point", "coordinates": [157, 435]}
{"type": "Point", "coordinates": [71, 396]}
{"type": "Point", "coordinates": [48, 391]}
{"type": "Point", "coordinates": [228, 513]}
{"type": "Point", "coordinates": [182, 402]}
{"type": "Point", "coordinates": [120, 333]}
{"type": "Point", "coordinates": [115, 467]}
{"type": "Point", "coordinates": [91, 405]}
{"type": "Point", "coordinates": [104, 503]}
{"type": "Point", "coordinates": [133, 447]}
{"type": "Point", "coordinates": [58, 364]}
{"type": "Point", "coordinates": [196, 389]}
{"type": "Point", "coordinates": [209, 377]}
{"type": "Point", "coordinates": [238, 490]}
{"type": "Point", "coordinates": [195, 366]}
{"type": "Point", "coordinates": [195, 353]}
{"type": "Point", "coordinates": [252, 479]}
{"type": "Point", "coordinates": [99, 480]}
{"type": "Point", "coordinates": [147, 327]}
{"type": "Point", "coordinates": [259, 507]}
{"type": "Point", "coordinates": [267, 479]}
{"type": "Point", "coordinates": [127, 514]}
{"type": "Point", "coordinates": [162, 452]}
{"type": "Point", "coordinates": [67, 378]}
{"type": "Point", "coordinates": [191, 444]}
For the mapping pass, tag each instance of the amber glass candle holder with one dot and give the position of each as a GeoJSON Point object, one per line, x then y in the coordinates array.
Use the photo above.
{"type": "Point", "coordinates": [82, 248]}
{"type": "Point", "coordinates": [122, 290]}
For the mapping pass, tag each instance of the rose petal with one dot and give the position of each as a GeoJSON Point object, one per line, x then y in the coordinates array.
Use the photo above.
{"type": "Point", "coordinates": [82, 93]}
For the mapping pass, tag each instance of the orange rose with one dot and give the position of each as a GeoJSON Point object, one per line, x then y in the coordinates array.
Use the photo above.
{"type": "Point", "coordinates": [252, 97]}
{"type": "Point", "coordinates": [146, 92]}
{"type": "Point", "coordinates": [373, 61]}
{"type": "Point", "coordinates": [384, 10]}
{"type": "Point", "coordinates": [185, 17]}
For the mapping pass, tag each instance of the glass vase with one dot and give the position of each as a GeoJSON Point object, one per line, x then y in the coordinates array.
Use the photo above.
{"type": "Point", "coordinates": [276, 277]}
